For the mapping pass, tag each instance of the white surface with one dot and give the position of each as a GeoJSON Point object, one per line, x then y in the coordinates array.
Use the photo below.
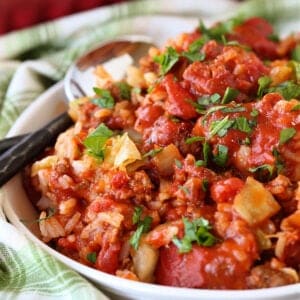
{"type": "Point", "coordinates": [17, 206]}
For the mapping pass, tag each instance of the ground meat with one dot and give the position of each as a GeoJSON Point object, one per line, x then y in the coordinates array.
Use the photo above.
{"type": "Point", "coordinates": [265, 277]}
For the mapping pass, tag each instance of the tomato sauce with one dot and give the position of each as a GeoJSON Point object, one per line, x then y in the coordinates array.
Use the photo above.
{"type": "Point", "coordinates": [188, 177]}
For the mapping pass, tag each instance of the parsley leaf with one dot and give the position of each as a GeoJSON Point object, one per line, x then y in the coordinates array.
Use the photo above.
{"type": "Point", "coordinates": [193, 53]}
{"type": "Point", "coordinates": [242, 124]}
{"type": "Point", "coordinates": [137, 214]}
{"type": "Point", "coordinates": [263, 83]}
{"type": "Point", "coordinates": [287, 89]}
{"type": "Point", "coordinates": [143, 226]}
{"type": "Point", "coordinates": [222, 156]}
{"type": "Point", "coordinates": [95, 141]}
{"type": "Point", "coordinates": [296, 53]}
{"type": "Point", "coordinates": [125, 90]}
{"type": "Point", "coordinates": [152, 152]}
{"type": "Point", "coordinates": [296, 107]}
{"type": "Point", "coordinates": [105, 99]}
{"type": "Point", "coordinates": [263, 168]}
{"type": "Point", "coordinates": [92, 257]}
{"type": "Point", "coordinates": [220, 127]}
{"type": "Point", "coordinates": [206, 152]}
{"type": "Point", "coordinates": [286, 134]}
{"type": "Point", "coordinates": [178, 163]}
{"type": "Point", "coordinates": [278, 161]}
{"type": "Point", "coordinates": [229, 95]}
{"type": "Point", "coordinates": [194, 139]}
{"type": "Point", "coordinates": [220, 30]}
{"type": "Point", "coordinates": [296, 68]}
{"type": "Point", "coordinates": [200, 163]}
{"type": "Point", "coordinates": [167, 60]}
{"type": "Point", "coordinates": [197, 231]}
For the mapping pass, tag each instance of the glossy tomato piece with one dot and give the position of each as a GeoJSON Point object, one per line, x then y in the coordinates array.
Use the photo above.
{"type": "Point", "coordinates": [256, 33]}
{"type": "Point", "coordinates": [212, 268]}
{"type": "Point", "coordinates": [179, 99]}
{"type": "Point", "coordinates": [225, 190]}
{"type": "Point", "coordinates": [108, 258]}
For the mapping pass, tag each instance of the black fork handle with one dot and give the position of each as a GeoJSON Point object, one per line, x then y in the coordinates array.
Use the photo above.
{"type": "Point", "coordinates": [30, 146]}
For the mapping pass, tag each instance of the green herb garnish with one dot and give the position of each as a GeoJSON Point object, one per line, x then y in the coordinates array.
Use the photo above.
{"type": "Point", "coordinates": [278, 161]}
{"type": "Point", "coordinates": [167, 60]}
{"type": "Point", "coordinates": [296, 53]}
{"type": "Point", "coordinates": [221, 157]}
{"type": "Point", "coordinates": [200, 163]}
{"type": "Point", "coordinates": [105, 99]}
{"type": "Point", "coordinates": [242, 124]}
{"type": "Point", "coordinates": [95, 141]}
{"type": "Point", "coordinates": [197, 231]}
{"type": "Point", "coordinates": [178, 163]}
{"type": "Point", "coordinates": [152, 152]}
{"type": "Point", "coordinates": [263, 84]}
{"type": "Point", "coordinates": [220, 127]}
{"type": "Point", "coordinates": [265, 167]}
{"type": "Point", "coordinates": [229, 95]}
{"type": "Point", "coordinates": [194, 139]}
{"type": "Point", "coordinates": [296, 107]}
{"type": "Point", "coordinates": [184, 189]}
{"type": "Point", "coordinates": [125, 90]}
{"type": "Point", "coordinates": [206, 152]}
{"type": "Point", "coordinates": [287, 89]}
{"type": "Point", "coordinates": [143, 226]}
{"type": "Point", "coordinates": [92, 257]}
{"type": "Point", "coordinates": [286, 134]}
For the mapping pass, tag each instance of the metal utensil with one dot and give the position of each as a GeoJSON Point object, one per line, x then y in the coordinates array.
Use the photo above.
{"type": "Point", "coordinates": [78, 82]}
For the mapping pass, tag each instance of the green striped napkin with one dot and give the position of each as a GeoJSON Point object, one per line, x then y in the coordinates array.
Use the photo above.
{"type": "Point", "coordinates": [32, 60]}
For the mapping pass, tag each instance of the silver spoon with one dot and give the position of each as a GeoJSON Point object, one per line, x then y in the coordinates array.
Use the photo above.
{"type": "Point", "coordinates": [23, 149]}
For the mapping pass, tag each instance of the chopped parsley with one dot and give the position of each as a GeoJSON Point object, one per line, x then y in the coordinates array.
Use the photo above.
{"type": "Point", "coordinates": [278, 161]}
{"type": "Point", "coordinates": [219, 30]}
{"type": "Point", "coordinates": [197, 231]}
{"type": "Point", "coordinates": [254, 113]}
{"type": "Point", "coordinates": [92, 257]}
{"type": "Point", "coordinates": [178, 163]}
{"type": "Point", "coordinates": [95, 141]}
{"type": "Point", "coordinates": [263, 84]}
{"type": "Point", "coordinates": [200, 163]}
{"type": "Point", "coordinates": [104, 99]}
{"type": "Point", "coordinates": [137, 90]}
{"type": "Point", "coordinates": [204, 185]}
{"type": "Point", "coordinates": [206, 152]}
{"type": "Point", "coordinates": [296, 107]}
{"type": "Point", "coordinates": [193, 53]}
{"type": "Point", "coordinates": [194, 139]}
{"type": "Point", "coordinates": [229, 95]}
{"type": "Point", "coordinates": [287, 89]}
{"type": "Point", "coordinates": [242, 124]}
{"type": "Point", "coordinates": [220, 127]}
{"type": "Point", "coordinates": [263, 169]}
{"type": "Point", "coordinates": [296, 68]}
{"type": "Point", "coordinates": [221, 157]}
{"type": "Point", "coordinates": [152, 152]}
{"type": "Point", "coordinates": [167, 60]}
{"type": "Point", "coordinates": [286, 134]}
{"type": "Point", "coordinates": [143, 226]}
{"type": "Point", "coordinates": [50, 213]}
{"type": "Point", "coordinates": [125, 90]}
{"type": "Point", "coordinates": [185, 189]}
{"type": "Point", "coordinates": [273, 37]}
{"type": "Point", "coordinates": [296, 53]}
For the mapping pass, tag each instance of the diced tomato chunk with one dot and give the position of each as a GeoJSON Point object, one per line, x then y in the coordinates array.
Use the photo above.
{"type": "Point", "coordinates": [108, 257]}
{"type": "Point", "coordinates": [226, 189]}
{"type": "Point", "coordinates": [179, 99]}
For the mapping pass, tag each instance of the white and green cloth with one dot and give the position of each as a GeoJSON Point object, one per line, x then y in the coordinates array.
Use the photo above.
{"type": "Point", "coordinates": [32, 60]}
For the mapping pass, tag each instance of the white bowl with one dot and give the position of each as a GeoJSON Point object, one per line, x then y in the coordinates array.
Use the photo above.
{"type": "Point", "coordinates": [18, 207]}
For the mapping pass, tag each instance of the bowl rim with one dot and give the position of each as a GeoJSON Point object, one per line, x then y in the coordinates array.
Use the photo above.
{"type": "Point", "coordinates": [105, 279]}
